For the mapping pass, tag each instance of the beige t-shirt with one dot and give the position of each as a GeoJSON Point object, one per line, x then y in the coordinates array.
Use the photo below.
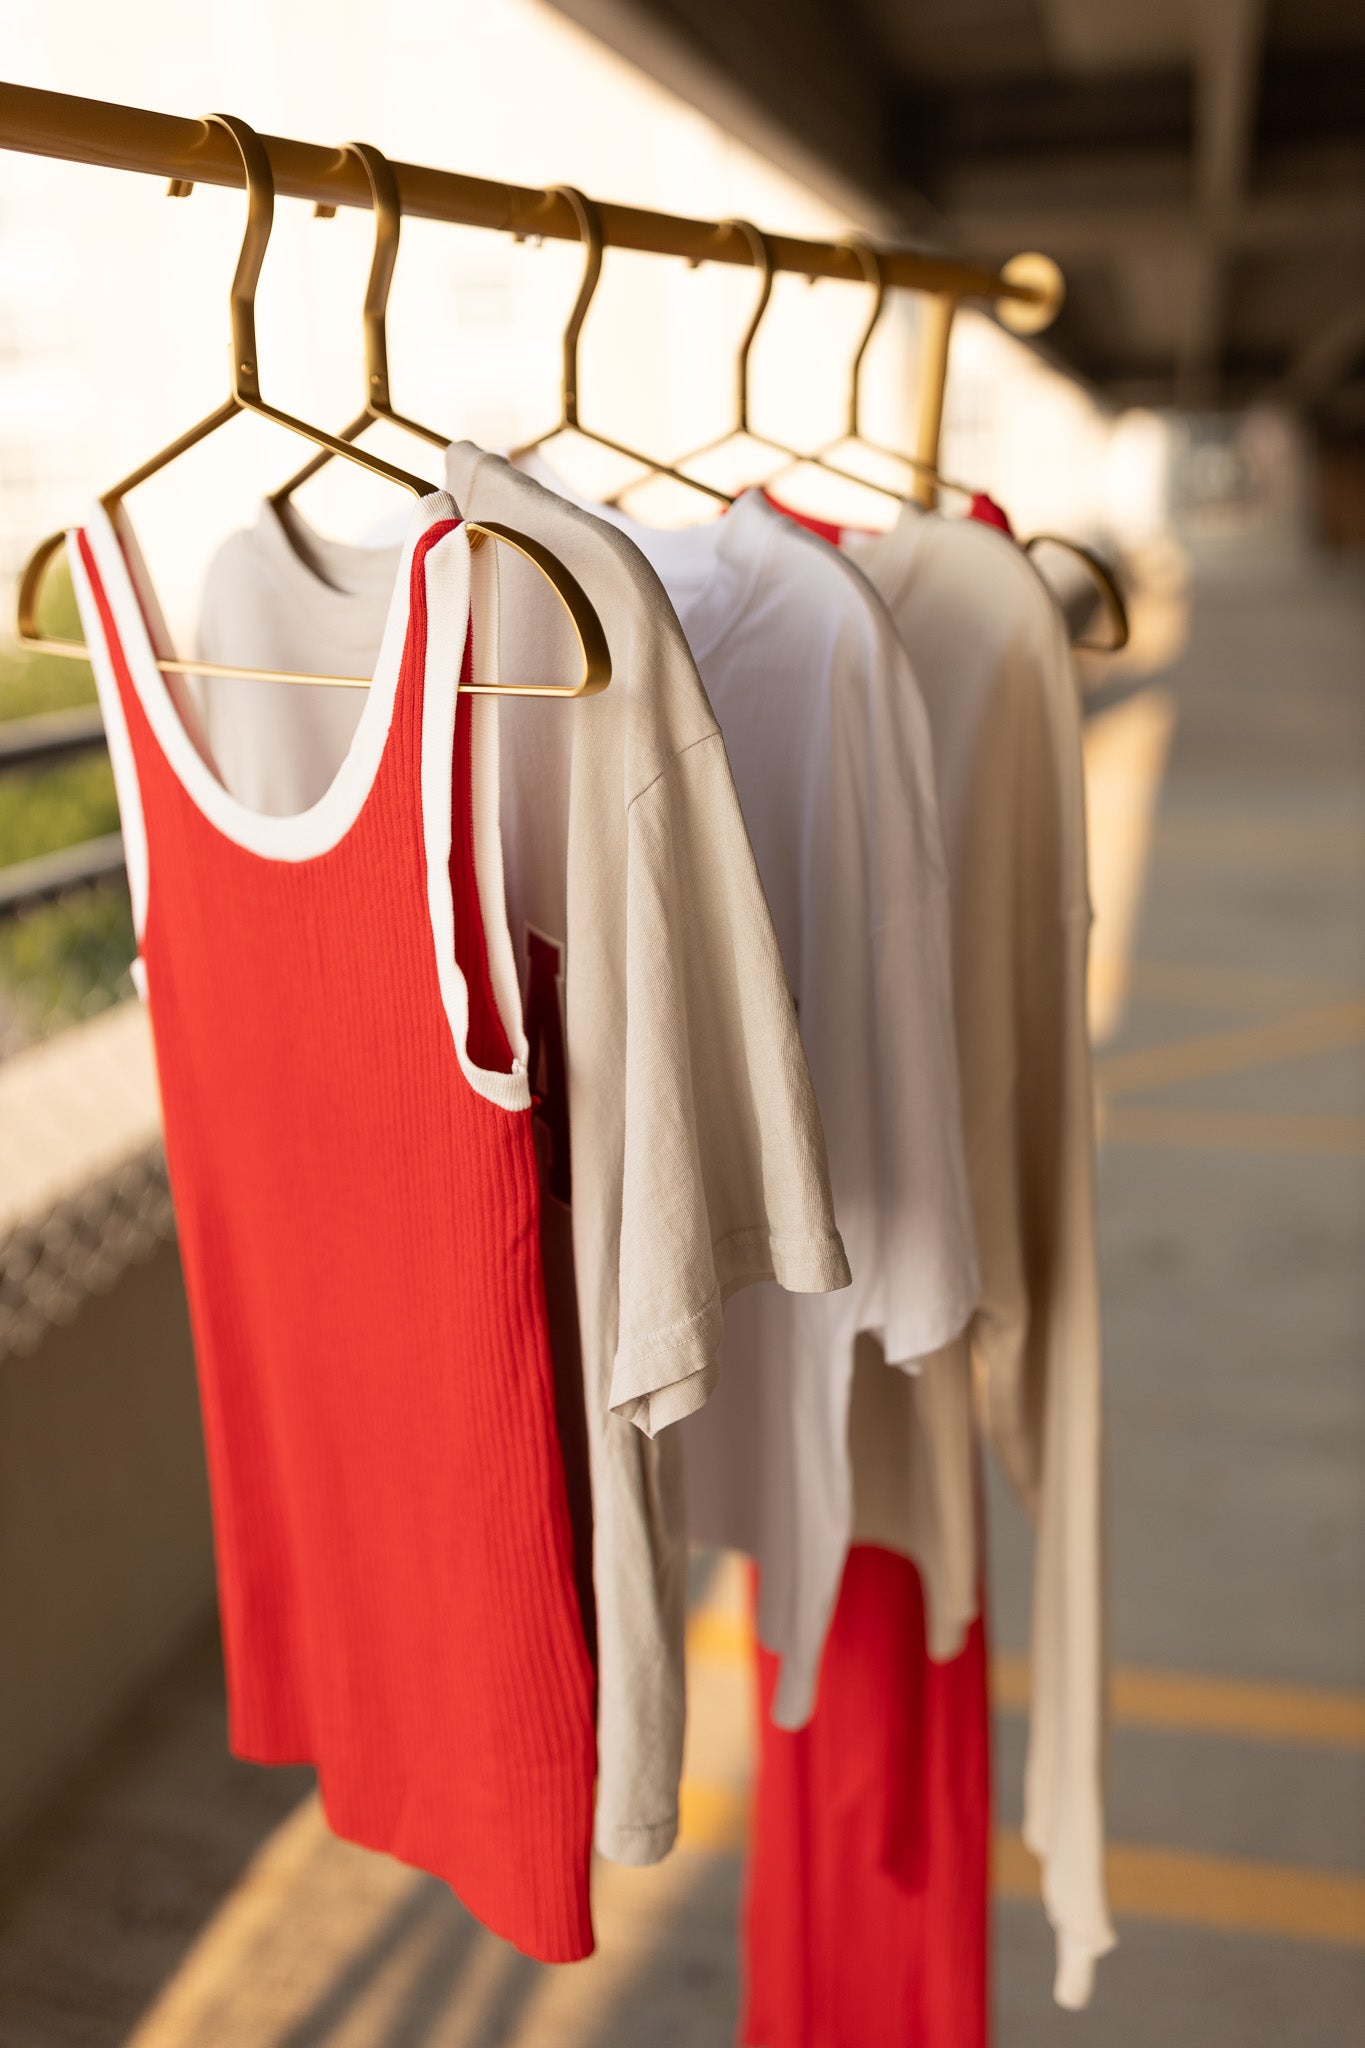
{"type": "Point", "coordinates": [662, 1035]}
{"type": "Point", "coordinates": [989, 649]}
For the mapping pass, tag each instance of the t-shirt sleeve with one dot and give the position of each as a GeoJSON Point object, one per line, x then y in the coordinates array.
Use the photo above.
{"type": "Point", "coordinates": [725, 1177]}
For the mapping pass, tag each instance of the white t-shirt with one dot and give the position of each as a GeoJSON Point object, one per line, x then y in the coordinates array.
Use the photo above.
{"type": "Point", "coordinates": [830, 748]}
{"type": "Point", "coordinates": [661, 1031]}
{"type": "Point", "coordinates": [990, 651]}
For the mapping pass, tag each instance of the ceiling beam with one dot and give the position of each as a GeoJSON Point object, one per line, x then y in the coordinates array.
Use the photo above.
{"type": "Point", "coordinates": [1137, 165]}
{"type": "Point", "coordinates": [1325, 362]}
{"type": "Point", "coordinates": [1090, 230]}
{"type": "Point", "coordinates": [1228, 40]}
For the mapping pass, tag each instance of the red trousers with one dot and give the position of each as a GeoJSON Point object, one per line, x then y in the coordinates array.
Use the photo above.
{"type": "Point", "coordinates": [869, 1869]}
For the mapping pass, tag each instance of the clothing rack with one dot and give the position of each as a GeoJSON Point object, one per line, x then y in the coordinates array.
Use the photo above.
{"type": "Point", "coordinates": [1027, 291]}
{"type": "Point", "coordinates": [189, 152]}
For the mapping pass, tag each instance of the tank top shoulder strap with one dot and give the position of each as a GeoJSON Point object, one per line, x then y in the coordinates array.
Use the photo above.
{"type": "Point", "coordinates": [117, 697]}
{"type": "Point", "coordinates": [459, 797]}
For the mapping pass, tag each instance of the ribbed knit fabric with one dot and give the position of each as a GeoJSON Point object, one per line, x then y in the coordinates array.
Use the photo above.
{"type": "Point", "coordinates": [868, 1881]}
{"type": "Point", "coordinates": [359, 1227]}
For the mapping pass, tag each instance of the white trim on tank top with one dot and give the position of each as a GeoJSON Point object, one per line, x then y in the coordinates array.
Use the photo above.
{"type": "Point", "coordinates": [446, 571]}
{"type": "Point", "coordinates": [305, 835]}
{"type": "Point", "coordinates": [486, 791]}
{"type": "Point", "coordinates": [126, 786]}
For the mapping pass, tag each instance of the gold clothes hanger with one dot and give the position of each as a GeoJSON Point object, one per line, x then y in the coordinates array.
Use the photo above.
{"type": "Point", "coordinates": [1105, 582]}
{"type": "Point", "coordinates": [1044, 288]}
{"type": "Point", "coordinates": [590, 233]}
{"type": "Point", "coordinates": [874, 271]}
{"type": "Point", "coordinates": [245, 396]}
{"type": "Point", "coordinates": [741, 430]}
{"type": "Point", "coordinates": [388, 225]}
{"type": "Point", "coordinates": [1098, 570]}
{"type": "Point", "coordinates": [797, 458]}
{"type": "Point", "coordinates": [872, 268]}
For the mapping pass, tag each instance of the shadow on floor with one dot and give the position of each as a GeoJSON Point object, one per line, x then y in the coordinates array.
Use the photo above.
{"type": "Point", "coordinates": [101, 1900]}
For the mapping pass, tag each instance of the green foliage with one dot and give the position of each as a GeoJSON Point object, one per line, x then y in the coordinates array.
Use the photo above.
{"type": "Point", "coordinates": [57, 805]}
{"type": "Point", "coordinates": [31, 682]}
{"type": "Point", "coordinates": [65, 959]}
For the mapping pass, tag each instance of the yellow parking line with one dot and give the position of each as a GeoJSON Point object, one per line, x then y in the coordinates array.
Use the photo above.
{"type": "Point", "coordinates": [1182, 1702]}
{"type": "Point", "coordinates": [1254, 839]}
{"type": "Point", "coordinates": [1188, 1703]}
{"type": "Point", "coordinates": [717, 1638]}
{"type": "Point", "coordinates": [1218, 1130]}
{"type": "Point", "coordinates": [713, 1818]}
{"type": "Point", "coordinates": [1125, 760]}
{"type": "Point", "coordinates": [1314, 1717]}
{"type": "Point", "coordinates": [1228, 988]}
{"type": "Point", "coordinates": [1145, 1883]}
{"type": "Point", "coordinates": [1225, 1052]}
{"type": "Point", "coordinates": [1191, 1890]}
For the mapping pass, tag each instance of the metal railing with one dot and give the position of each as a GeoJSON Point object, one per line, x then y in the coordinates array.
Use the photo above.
{"type": "Point", "coordinates": [28, 883]}
{"type": "Point", "coordinates": [50, 736]}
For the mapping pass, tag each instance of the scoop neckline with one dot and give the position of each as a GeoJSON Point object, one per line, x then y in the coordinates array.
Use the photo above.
{"type": "Point", "coordinates": [298, 835]}
{"type": "Point", "coordinates": [340, 575]}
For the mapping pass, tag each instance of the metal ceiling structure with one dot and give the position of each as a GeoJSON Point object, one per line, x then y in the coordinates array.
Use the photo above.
{"type": "Point", "coordinates": [1196, 166]}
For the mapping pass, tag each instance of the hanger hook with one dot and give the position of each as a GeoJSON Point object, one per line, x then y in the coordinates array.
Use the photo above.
{"type": "Point", "coordinates": [388, 226]}
{"type": "Point", "coordinates": [874, 271]}
{"type": "Point", "coordinates": [590, 234]}
{"type": "Point", "coordinates": [260, 218]}
{"type": "Point", "coordinates": [760, 252]}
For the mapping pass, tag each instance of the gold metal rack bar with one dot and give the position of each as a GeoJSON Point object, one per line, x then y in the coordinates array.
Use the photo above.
{"type": "Point", "coordinates": [60, 124]}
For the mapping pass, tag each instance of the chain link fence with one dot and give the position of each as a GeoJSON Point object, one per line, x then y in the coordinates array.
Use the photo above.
{"type": "Point", "coordinates": [64, 961]}
{"type": "Point", "coordinates": [81, 1246]}
{"type": "Point", "coordinates": [66, 950]}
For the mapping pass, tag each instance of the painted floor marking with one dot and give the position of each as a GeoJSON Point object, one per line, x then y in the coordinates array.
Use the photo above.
{"type": "Point", "coordinates": [1181, 1702]}
{"type": "Point", "coordinates": [1226, 1052]}
{"type": "Point", "coordinates": [1217, 1130]}
{"type": "Point", "coordinates": [1145, 1883]}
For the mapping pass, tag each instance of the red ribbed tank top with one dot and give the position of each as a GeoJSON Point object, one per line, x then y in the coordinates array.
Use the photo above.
{"type": "Point", "coordinates": [358, 1211]}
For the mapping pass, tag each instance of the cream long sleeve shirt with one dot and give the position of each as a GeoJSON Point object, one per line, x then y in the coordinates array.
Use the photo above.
{"type": "Point", "coordinates": [990, 653]}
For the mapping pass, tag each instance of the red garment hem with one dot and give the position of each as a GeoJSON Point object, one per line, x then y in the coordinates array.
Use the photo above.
{"type": "Point", "coordinates": [576, 1949]}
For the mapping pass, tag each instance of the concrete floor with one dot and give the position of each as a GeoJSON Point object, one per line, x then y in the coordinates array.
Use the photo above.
{"type": "Point", "coordinates": [181, 1901]}
{"type": "Point", "coordinates": [1233, 1216]}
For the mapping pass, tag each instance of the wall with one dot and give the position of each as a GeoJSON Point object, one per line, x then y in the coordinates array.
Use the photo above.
{"type": "Point", "coordinates": [105, 1550]}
